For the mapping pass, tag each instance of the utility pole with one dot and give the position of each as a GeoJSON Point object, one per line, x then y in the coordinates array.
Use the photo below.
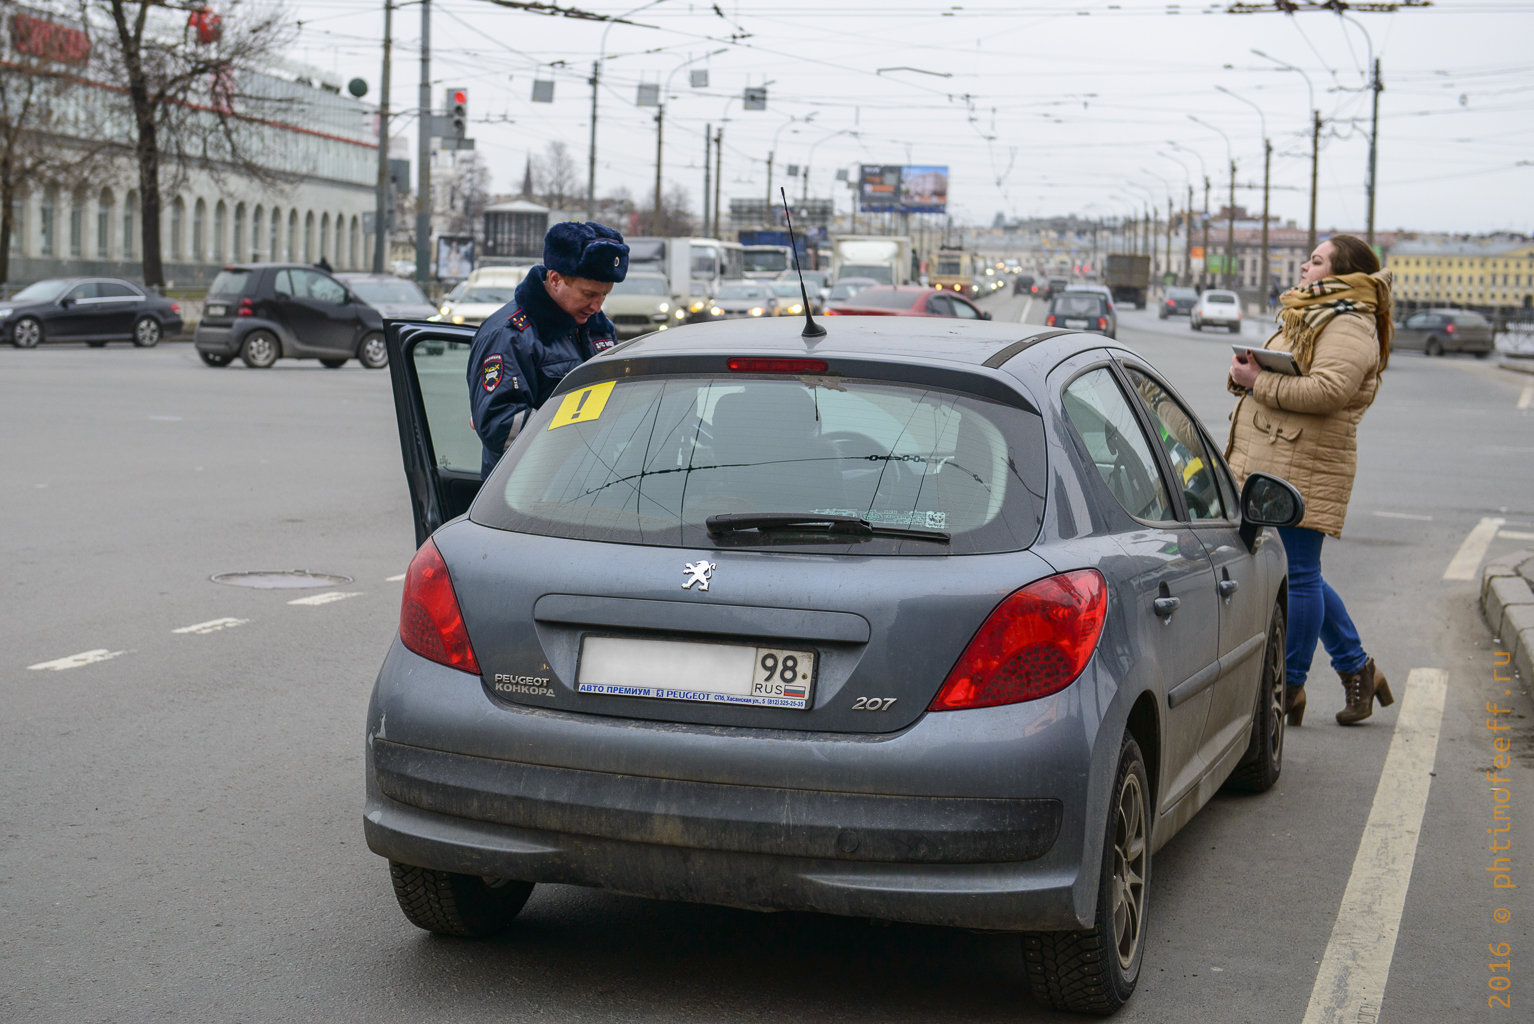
{"type": "Point", "coordinates": [1264, 263]}
{"type": "Point", "coordinates": [767, 210]}
{"type": "Point", "coordinates": [660, 122]}
{"type": "Point", "coordinates": [708, 156]}
{"type": "Point", "coordinates": [1203, 274]}
{"type": "Point", "coordinates": [1315, 161]}
{"type": "Point", "coordinates": [1168, 268]}
{"type": "Point", "coordinates": [591, 149]}
{"type": "Point", "coordinates": [381, 209]}
{"type": "Point", "coordinates": [1187, 240]}
{"type": "Point", "coordinates": [423, 156]}
{"type": "Point", "coordinates": [1374, 137]}
{"type": "Point", "coordinates": [718, 175]}
{"type": "Point", "coordinates": [1230, 233]}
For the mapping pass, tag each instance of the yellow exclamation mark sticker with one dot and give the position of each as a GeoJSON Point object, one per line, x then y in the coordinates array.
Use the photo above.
{"type": "Point", "coordinates": [582, 405]}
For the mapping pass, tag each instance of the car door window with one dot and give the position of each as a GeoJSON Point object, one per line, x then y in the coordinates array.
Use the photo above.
{"type": "Point", "coordinates": [1192, 466]}
{"type": "Point", "coordinates": [113, 290]}
{"type": "Point", "coordinates": [82, 291]}
{"type": "Point", "coordinates": [963, 310]}
{"type": "Point", "coordinates": [324, 289]}
{"type": "Point", "coordinates": [938, 305]}
{"type": "Point", "coordinates": [283, 285]}
{"type": "Point", "coordinates": [1119, 448]}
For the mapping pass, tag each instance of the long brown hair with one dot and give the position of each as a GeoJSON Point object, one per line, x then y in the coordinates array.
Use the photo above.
{"type": "Point", "coordinates": [1352, 255]}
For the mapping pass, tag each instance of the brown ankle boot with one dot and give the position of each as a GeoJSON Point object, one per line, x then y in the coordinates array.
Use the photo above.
{"type": "Point", "coordinates": [1294, 703]}
{"type": "Point", "coordinates": [1361, 688]}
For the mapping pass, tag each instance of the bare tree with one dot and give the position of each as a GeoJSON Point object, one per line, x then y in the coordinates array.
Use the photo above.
{"type": "Point", "coordinates": [557, 179]}
{"type": "Point", "coordinates": [194, 96]}
{"type": "Point", "coordinates": [462, 195]}
{"type": "Point", "coordinates": [675, 217]}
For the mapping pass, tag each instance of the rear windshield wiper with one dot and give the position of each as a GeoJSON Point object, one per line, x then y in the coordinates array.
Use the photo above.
{"type": "Point", "coordinates": [853, 525]}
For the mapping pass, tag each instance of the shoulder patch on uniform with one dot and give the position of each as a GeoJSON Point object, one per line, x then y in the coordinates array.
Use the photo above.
{"type": "Point", "coordinates": [490, 372]}
{"type": "Point", "coordinates": [518, 320]}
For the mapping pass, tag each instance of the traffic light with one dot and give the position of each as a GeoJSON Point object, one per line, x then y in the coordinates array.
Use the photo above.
{"type": "Point", "coordinates": [458, 112]}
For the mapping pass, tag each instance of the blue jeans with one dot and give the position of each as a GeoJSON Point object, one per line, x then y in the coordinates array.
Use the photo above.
{"type": "Point", "coordinates": [1315, 611]}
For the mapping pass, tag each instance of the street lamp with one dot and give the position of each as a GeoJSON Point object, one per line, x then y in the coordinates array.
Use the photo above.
{"type": "Point", "coordinates": [1230, 233]}
{"type": "Point", "coordinates": [767, 211]}
{"type": "Point", "coordinates": [1265, 264]}
{"type": "Point", "coordinates": [1187, 226]}
{"type": "Point", "coordinates": [1168, 186]}
{"type": "Point", "coordinates": [660, 123]}
{"type": "Point", "coordinates": [1374, 125]}
{"type": "Point", "coordinates": [1203, 273]}
{"type": "Point", "coordinates": [1315, 144]}
{"type": "Point", "coordinates": [1148, 229]}
{"type": "Point", "coordinates": [596, 72]}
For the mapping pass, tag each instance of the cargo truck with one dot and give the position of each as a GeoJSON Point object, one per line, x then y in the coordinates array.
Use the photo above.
{"type": "Point", "coordinates": [1128, 277]}
{"type": "Point", "coordinates": [883, 258]}
{"type": "Point", "coordinates": [954, 269]}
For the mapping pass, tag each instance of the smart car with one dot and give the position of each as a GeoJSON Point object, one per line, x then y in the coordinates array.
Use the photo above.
{"type": "Point", "coordinates": [949, 622]}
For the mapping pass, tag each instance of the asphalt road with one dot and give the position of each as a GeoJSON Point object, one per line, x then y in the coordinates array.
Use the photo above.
{"type": "Point", "coordinates": [180, 831]}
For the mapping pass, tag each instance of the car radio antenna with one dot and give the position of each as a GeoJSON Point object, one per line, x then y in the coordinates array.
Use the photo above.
{"type": "Point", "coordinates": [811, 328]}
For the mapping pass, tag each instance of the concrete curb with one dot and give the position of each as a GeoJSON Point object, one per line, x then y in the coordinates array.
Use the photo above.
{"type": "Point", "coordinates": [1507, 604]}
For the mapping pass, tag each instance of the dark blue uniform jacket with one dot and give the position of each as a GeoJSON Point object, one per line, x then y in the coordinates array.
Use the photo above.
{"type": "Point", "coordinates": [519, 355]}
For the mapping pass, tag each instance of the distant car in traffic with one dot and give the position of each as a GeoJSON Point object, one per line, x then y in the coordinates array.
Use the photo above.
{"type": "Point", "coordinates": [1023, 284]}
{"type": "Point", "coordinates": [402, 268]}
{"type": "Point", "coordinates": [1055, 286]}
{"type": "Point", "coordinates": [1216, 308]}
{"type": "Point", "coordinates": [94, 310]}
{"type": "Point", "coordinates": [790, 301]}
{"type": "Point", "coordinates": [816, 282]}
{"type": "Point", "coordinates": [1178, 302]}
{"type": "Point", "coordinates": [262, 312]}
{"type": "Point", "coordinates": [486, 290]}
{"type": "Point", "coordinates": [907, 300]}
{"type": "Point", "coordinates": [1083, 310]}
{"type": "Point", "coordinates": [745, 299]}
{"type": "Point", "coordinates": [395, 299]}
{"type": "Point", "coordinates": [642, 303]}
{"type": "Point", "coordinates": [1435, 332]}
{"type": "Point", "coordinates": [847, 287]}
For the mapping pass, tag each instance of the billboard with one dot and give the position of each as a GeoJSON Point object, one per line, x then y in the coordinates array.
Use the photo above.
{"type": "Point", "coordinates": [455, 257]}
{"type": "Point", "coordinates": [891, 188]}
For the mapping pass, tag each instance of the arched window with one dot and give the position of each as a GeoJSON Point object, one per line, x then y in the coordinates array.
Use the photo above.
{"type": "Point", "coordinates": [47, 229]}
{"type": "Point", "coordinates": [292, 235]}
{"type": "Point", "coordinates": [77, 225]}
{"type": "Point", "coordinates": [18, 222]}
{"type": "Point", "coordinates": [199, 232]}
{"type": "Point", "coordinates": [130, 233]}
{"type": "Point", "coordinates": [177, 220]}
{"type": "Point", "coordinates": [354, 231]}
{"type": "Point", "coordinates": [104, 205]}
{"type": "Point", "coordinates": [325, 238]}
{"type": "Point", "coordinates": [237, 250]}
{"type": "Point", "coordinates": [309, 237]}
{"type": "Point", "coordinates": [274, 249]}
{"type": "Point", "coordinates": [255, 235]}
{"type": "Point", "coordinates": [220, 230]}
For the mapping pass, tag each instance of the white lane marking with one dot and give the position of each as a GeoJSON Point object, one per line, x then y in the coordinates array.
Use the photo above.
{"type": "Point", "coordinates": [1515, 535]}
{"type": "Point", "coordinates": [1527, 398]}
{"type": "Point", "coordinates": [1404, 515]}
{"type": "Point", "coordinates": [394, 579]}
{"type": "Point", "coordinates": [1468, 558]}
{"type": "Point", "coordinates": [77, 660]}
{"type": "Point", "coordinates": [1350, 985]}
{"type": "Point", "coordinates": [327, 597]}
{"type": "Point", "coordinates": [1027, 308]}
{"type": "Point", "coordinates": [211, 626]}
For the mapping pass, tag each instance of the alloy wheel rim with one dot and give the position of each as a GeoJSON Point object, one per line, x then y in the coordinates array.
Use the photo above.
{"type": "Point", "coordinates": [148, 331]}
{"type": "Point", "coordinates": [373, 350]}
{"type": "Point", "coordinates": [260, 350]}
{"type": "Point", "coordinates": [1129, 854]}
{"type": "Point", "coordinates": [26, 333]}
{"type": "Point", "coordinates": [1274, 674]}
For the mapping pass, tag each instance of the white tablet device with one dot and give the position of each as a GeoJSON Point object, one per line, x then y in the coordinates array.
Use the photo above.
{"type": "Point", "coordinates": [1268, 359]}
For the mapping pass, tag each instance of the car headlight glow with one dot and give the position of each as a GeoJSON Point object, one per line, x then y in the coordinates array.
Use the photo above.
{"type": "Point", "coordinates": [681, 314]}
{"type": "Point", "coordinates": [715, 311]}
{"type": "Point", "coordinates": [664, 307]}
{"type": "Point", "coordinates": [457, 318]}
{"type": "Point", "coordinates": [697, 307]}
{"type": "Point", "coordinates": [756, 310]}
{"type": "Point", "coordinates": [796, 309]}
{"type": "Point", "coordinates": [447, 310]}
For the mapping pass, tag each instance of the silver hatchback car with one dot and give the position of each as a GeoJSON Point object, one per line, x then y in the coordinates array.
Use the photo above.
{"type": "Point", "coordinates": [927, 621]}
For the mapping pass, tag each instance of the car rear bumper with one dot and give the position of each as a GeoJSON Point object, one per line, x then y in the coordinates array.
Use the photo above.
{"type": "Point", "coordinates": [996, 840]}
{"type": "Point", "coordinates": [216, 340]}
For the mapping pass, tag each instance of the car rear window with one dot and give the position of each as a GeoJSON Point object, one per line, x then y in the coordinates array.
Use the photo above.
{"type": "Point", "coordinates": [657, 456]}
{"type": "Point", "coordinates": [885, 298]}
{"type": "Point", "coordinates": [1078, 304]}
{"type": "Point", "coordinates": [1471, 319]}
{"type": "Point", "coordinates": [1225, 298]}
{"type": "Point", "coordinates": [229, 284]}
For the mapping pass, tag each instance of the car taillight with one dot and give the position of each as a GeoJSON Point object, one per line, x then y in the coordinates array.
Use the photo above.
{"type": "Point", "coordinates": [742, 365]}
{"type": "Point", "coordinates": [1449, 329]}
{"type": "Point", "coordinates": [245, 309]}
{"type": "Point", "coordinates": [1049, 321]}
{"type": "Point", "coordinates": [430, 623]}
{"type": "Point", "coordinates": [1035, 643]}
{"type": "Point", "coordinates": [1171, 302]}
{"type": "Point", "coordinates": [1102, 323]}
{"type": "Point", "coordinates": [829, 312]}
{"type": "Point", "coordinates": [175, 307]}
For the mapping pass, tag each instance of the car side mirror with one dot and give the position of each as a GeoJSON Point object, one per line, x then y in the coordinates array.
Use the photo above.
{"type": "Point", "coordinates": [65, 302]}
{"type": "Point", "coordinates": [1268, 500]}
{"type": "Point", "coordinates": [985, 316]}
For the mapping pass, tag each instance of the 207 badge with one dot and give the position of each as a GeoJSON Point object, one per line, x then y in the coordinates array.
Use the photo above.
{"type": "Point", "coordinates": [698, 572]}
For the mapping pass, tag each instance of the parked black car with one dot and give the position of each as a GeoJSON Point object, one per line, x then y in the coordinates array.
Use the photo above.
{"type": "Point", "coordinates": [1178, 302]}
{"type": "Point", "coordinates": [1023, 284]}
{"type": "Point", "coordinates": [94, 310]}
{"type": "Point", "coordinates": [264, 311]}
{"type": "Point", "coordinates": [1437, 331]}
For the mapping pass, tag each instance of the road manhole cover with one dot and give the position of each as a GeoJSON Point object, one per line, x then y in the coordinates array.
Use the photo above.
{"type": "Point", "coordinates": [281, 579]}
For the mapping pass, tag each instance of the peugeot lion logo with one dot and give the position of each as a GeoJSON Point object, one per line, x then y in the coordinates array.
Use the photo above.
{"type": "Point", "coordinates": [699, 573]}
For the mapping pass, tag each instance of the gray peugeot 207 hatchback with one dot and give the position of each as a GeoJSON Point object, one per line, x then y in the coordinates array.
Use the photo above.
{"type": "Point", "coordinates": [927, 621]}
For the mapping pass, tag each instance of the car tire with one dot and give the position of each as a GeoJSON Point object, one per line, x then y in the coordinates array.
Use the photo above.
{"type": "Point", "coordinates": [1194, 325]}
{"type": "Point", "coordinates": [260, 350]}
{"type": "Point", "coordinates": [96, 344]}
{"type": "Point", "coordinates": [146, 333]}
{"type": "Point", "coordinates": [333, 364]}
{"type": "Point", "coordinates": [1433, 347]}
{"type": "Point", "coordinates": [1234, 329]}
{"type": "Point", "coordinates": [1482, 353]}
{"type": "Point", "coordinates": [1089, 971]}
{"type": "Point", "coordinates": [1260, 767]}
{"type": "Point", "coordinates": [215, 358]}
{"type": "Point", "coordinates": [27, 333]}
{"type": "Point", "coordinates": [372, 352]}
{"type": "Point", "coordinates": [465, 906]}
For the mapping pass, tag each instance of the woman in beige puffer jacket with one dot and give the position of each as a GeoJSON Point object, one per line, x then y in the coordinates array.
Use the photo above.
{"type": "Point", "coordinates": [1305, 429]}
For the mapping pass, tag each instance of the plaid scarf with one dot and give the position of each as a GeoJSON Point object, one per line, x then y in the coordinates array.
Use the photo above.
{"type": "Point", "coordinates": [1309, 308]}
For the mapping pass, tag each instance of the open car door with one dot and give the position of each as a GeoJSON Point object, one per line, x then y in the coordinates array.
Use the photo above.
{"type": "Point", "coordinates": [428, 365]}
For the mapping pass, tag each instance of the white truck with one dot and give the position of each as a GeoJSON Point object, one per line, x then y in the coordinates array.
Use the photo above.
{"type": "Point", "coordinates": [884, 258]}
{"type": "Point", "coordinates": [686, 262]}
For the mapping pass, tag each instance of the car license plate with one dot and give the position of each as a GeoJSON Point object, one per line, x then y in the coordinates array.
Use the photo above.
{"type": "Point", "coordinates": [218, 310]}
{"type": "Point", "coordinates": [1075, 323]}
{"type": "Point", "coordinates": [772, 677]}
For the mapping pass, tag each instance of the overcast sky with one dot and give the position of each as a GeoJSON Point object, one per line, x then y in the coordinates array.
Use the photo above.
{"type": "Point", "coordinates": [1042, 108]}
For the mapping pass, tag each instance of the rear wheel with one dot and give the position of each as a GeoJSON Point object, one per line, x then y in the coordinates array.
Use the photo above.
{"type": "Point", "coordinates": [146, 333]}
{"type": "Point", "coordinates": [372, 353]}
{"type": "Point", "coordinates": [216, 359]}
{"type": "Point", "coordinates": [260, 350]}
{"type": "Point", "coordinates": [27, 332]}
{"type": "Point", "coordinates": [1264, 760]}
{"type": "Point", "coordinates": [467, 906]}
{"type": "Point", "coordinates": [1433, 347]}
{"type": "Point", "coordinates": [333, 364]}
{"type": "Point", "coordinates": [1234, 328]}
{"type": "Point", "coordinates": [96, 344]}
{"type": "Point", "coordinates": [1482, 353]}
{"type": "Point", "coordinates": [1194, 325]}
{"type": "Point", "coordinates": [1095, 971]}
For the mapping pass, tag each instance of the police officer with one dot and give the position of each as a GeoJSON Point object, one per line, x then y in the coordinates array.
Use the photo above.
{"type": "Point", "coordinates": [555, 323]}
